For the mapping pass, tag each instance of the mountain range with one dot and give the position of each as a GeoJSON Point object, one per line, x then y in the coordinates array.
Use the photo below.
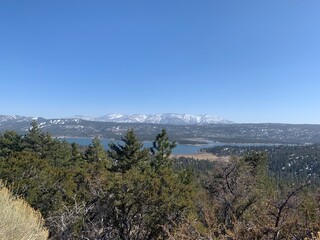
{"type": "Point", "coordinates": [163, 118]}
{"type": "Point", "coordinates": [188, 133]}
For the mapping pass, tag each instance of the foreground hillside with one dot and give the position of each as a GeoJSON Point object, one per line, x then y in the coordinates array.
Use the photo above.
{"type": "Point", "coordinates": [131, 192]}
{"type": "Point", "coordinates": [18, 219]}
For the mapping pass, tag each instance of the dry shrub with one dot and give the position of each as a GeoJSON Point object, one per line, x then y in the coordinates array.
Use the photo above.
{"type": "Point", "coordinates": [18, 220]}
{"type": "Point", "coordinates": [314, 236]}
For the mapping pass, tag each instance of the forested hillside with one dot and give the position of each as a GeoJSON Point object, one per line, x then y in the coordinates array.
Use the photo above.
{"type": "Point", "coordinates": [294, 163]}
{"type": "Point", "coordinates": [130, 192]}
{"type": "Point", "coordinates": [224, 133]}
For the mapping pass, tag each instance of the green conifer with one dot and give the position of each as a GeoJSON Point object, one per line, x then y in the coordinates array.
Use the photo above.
{"type": "Point", "coordinates": [128, 154]}
{"type": "Point", "coordinates": [161, 150]}
{"type": "Point", "coordinates": [95, 151]}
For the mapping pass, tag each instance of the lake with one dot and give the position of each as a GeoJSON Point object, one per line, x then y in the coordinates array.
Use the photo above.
{"type": "Point", "coordinates": [179, 149]}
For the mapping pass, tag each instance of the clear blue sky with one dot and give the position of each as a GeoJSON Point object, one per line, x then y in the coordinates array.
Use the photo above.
{"type": "Point", "coordinates": [247, 61]}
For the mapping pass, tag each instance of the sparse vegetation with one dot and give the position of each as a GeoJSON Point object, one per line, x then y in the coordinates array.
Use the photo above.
{"type": "Point", "coordinates": [18, 220]}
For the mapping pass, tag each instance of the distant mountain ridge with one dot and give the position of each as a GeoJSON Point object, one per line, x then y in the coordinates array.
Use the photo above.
{"type": "Point", "coordinates": [17, 118]}
{"type": "Point", "coordinates": [163, 118]}
{"type": "Point", "coordinates": [191, 133]}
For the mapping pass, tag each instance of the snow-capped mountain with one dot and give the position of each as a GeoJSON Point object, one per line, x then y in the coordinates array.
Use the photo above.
{"type": "Point", "coordinates": [164, 118]}
{"type": "Point", "coordinates": [182, 127]}
{"type": "Point", "coordinates": [14, 118]}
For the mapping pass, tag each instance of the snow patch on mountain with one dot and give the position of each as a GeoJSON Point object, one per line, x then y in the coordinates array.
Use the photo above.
{"type": "Point", "coordinates": [165, 118]}
{"type": "Point", "coordinates": [15, 118]}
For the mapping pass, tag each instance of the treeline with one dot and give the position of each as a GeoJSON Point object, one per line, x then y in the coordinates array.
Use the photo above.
{"type": "Point", "coordinates": [130, 192]}
{"type": "Point", "coordinates": [292, 163]}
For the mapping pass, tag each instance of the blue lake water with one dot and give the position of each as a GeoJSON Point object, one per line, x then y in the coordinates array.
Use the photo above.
{"type": "Point", "coordinates": [179, 149]}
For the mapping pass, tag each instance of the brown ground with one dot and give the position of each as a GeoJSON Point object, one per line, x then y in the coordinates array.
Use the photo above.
{"type": "Point", "coordinates": [202, 156]}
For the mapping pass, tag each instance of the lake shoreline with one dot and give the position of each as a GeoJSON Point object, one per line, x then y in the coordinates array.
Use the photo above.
{"type": "Point", "coordinates": [202, 156]}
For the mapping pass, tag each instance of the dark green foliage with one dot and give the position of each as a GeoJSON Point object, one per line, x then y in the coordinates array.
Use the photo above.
{"type": "Point", "coordinates": [75, 152]}
{"type": "Point", "coordinates": [286, 163]}
{"type": "Point", "coordinates": [35, 139]}
{"type": "Point", "coordinates": [140, 201]}
{"type": "Point", "coordinates": [127, 155]}
{"type": "Point", "coordinates": [82, 199]}
{"type": "Point", "coordinates": [10, 142]}
{"type": "Point", "coordinates": [46, 187]}
{"type": "Point", "coordinates": [95, 151]}
{"type": "Point", "coordinates": [161, 151]}
{"type": "Point", "coordinates": [58, 152]}
{"type": "Point", "coordinates": [200, 167]}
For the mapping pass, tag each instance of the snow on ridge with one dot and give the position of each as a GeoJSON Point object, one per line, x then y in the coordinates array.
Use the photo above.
{"type": "Point", "coordinates": [17, 118]}
{"type": "Point", "coordinates": [165, 118]}
{"type": "Point", "coordinates": [159, 118]}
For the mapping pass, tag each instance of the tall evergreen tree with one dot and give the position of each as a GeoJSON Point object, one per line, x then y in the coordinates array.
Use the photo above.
{"type": "Point", "coordinates": [128, 154]}
{"type": "Point", "coordinates": [33, 140]}
{"type": "Point", "coordinates": [139, 202]}
{"type": "Point", "coordinates": [161, 150]}
{"type": "Point", "coordinates": [75, 152]}
{"type": "Point", "coordinates": [95, 151]}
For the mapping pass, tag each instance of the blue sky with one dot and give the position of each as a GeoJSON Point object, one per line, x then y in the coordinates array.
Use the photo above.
{"type": "Point", "coordinates": [247, 61]}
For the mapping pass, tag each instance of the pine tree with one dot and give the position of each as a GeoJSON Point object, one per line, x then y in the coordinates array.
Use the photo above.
{"type": "Point", "coordinates": [75, 152]}
{"type": "Point", "coordinates": [34, 138]}
{"type": "Point", "coordinates": [161, 150]}
{"type": "Point", "coordinates": [128, 154]}
{"type": "Point", "coordinates": [95, 151]}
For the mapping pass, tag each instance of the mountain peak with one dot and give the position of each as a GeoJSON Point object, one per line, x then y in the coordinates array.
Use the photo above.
{"type": "Point", "coordinates": [162, 118]}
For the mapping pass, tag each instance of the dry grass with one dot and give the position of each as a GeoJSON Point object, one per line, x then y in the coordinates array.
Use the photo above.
{"type": "Point", "coordinates": [18, 221]}
{"type": "Point", "coordinates": [314, 236]}
{"type": "Point", "coordinates": [203, 156]}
